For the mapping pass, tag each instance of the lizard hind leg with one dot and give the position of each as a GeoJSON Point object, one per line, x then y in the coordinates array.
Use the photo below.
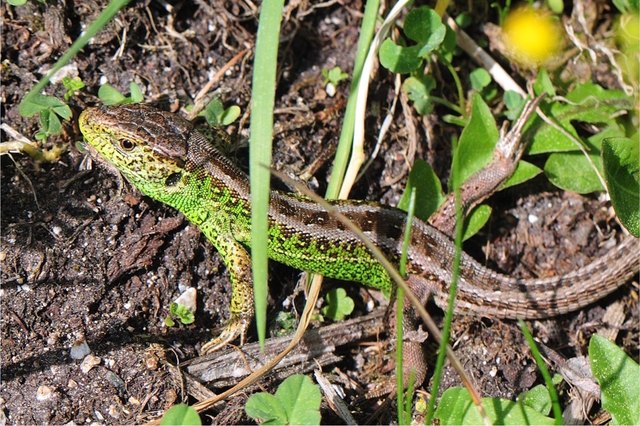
{"type": "Point", "coordinates": [413, 351]}
{"type": "Point", "coordinates": [241, 309]}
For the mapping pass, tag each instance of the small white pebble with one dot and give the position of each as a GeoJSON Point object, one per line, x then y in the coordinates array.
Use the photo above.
{"type": "Point", "coordinates": [113, 411]}
{"type": "Point", "coordinates": [533, 218]}
{"type": "Point", "coordinates": [188, 299]}
{"type": "Point", "coordinates": [57, 231]}
{"type": "Point", "coordinates": [330, 89]}
{"type": "Point", "coordinates": [493, 372]}
{"type": "Point", "coordinates": [80, 349]}
{"type": "Point", "coordinates": [370, 305]}
{"type": "Point", "coordinates": [89, 362]}
{"type": "Point", "coordinates": [44, 393]}
{"type": "Point", "coordinates": [53, 338]}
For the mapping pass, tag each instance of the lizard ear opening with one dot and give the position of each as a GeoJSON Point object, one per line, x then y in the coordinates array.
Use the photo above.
{"type": "Point", "coordinates": [173, 179]}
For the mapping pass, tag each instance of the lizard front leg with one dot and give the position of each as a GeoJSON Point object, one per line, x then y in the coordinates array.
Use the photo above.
{"type": "Point", "coordinates": [238, 263]}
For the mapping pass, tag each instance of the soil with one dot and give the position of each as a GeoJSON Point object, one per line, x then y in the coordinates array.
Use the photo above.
{"type": "Point", "coordinates": [90, 266]}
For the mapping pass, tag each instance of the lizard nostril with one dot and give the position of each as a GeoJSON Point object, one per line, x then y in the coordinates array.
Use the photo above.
{"type": "Point", "coordinates": [173, 179]}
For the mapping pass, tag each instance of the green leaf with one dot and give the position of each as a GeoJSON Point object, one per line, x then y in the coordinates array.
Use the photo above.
{"type": "Point", "coordinates": [429, 193]}
{"type": "Point", "coordinates": [38, 103]}
{"type": "Point", "coordinates": [266, 409]}
{"type": "Point", "coordinates": [572, 171]}
{"type": "Point", "coordinates": [449, 44]}
{"type": "Point", "coordinates": [476, 219]}
{"type": "Point", "coordinates": [537, 398]}
{"type": "Point", "coordinates": [339, 305]}
{"type": "Point", "coordinates": [30, 107]}
{"type": "Point", "coordinates": [217, 115]}
{"type": "Point", "coordinates": [556, 6]}
{"type": "Point", "coordinates": [109, 95]}
{"type": "Point", "coordinates": [543, 84]}
{"type": "Point", "coordinates": [557, 379]}
{"type": "Point", "coordinates": [184, 314]}
{"type": "Point", "coordinates": [514, 102]}
{"type": "Point", "coordinates": [480, 79]}
{"type": "Point", "coordinates": [230, 115]}
{"type": "Point", "coordinates": [477, 141]}
{"type": "Point", "coordinates": [135, 93]}
{"type": "Point", "coordinates": [301, 399]}
{"type": "Point", "coordinates": [524, 171]}
{"type": "Point", "coordinates": [618, 376]}
{"type": "Point", "coordinates": [213, 112]}
{"type": "Point", "coordinates": [592, 91]}
{"type": "Point", "coordinates": [457, 408]}
{"type": "Point", "coordinates": [50, 123]}
{"type": "Point", "coordinates": [296, 402]}
{"type": "Point", "coordinates": [335, 75]}
{"type": "Point", "coordinates": [62, 110]}
{"type": "Point", "coordinates": [399, 59]}
{"type": "Point", "coordinates": [621, 161]}
{"type": "Point", "coordinates": [418, 89]}
{"type": "Point", "coordinates": [588, 103]}
{"type": "Point", "coordinates": [424, 26]}
{"type": "Point", "coordinates": [285, 323]}
{"type": "Point", "coordinates": [180, 414]}
{"type": "Point", "coordinates": [17, 2]}
{"type": "Point", "coordinates": [627, 6]}
{"type": "Point", "coordinates": [168, 321]}
{"type": "Point", "coordinates": [72, 85]}
{"type": "Point", "coordinates": [464, 20]}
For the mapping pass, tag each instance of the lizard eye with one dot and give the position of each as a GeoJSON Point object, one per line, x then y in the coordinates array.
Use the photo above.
{"type": "Point", "coordinates": [126, 144]}
{"type": "Point", "coordinates": [173, 179]}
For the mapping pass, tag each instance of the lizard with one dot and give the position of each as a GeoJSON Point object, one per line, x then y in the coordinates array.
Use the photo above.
{"type": "Point", "coordinates": [166, 158]}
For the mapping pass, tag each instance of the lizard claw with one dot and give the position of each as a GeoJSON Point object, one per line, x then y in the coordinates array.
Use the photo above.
{"type": "Point", "coordinates": [235, 327]}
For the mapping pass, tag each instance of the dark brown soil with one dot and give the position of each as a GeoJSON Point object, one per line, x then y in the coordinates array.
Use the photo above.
{"type": "Point", "coordinates": [87, 260]}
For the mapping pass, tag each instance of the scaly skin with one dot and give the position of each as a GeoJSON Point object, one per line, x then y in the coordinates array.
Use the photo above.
{"type": "Point", "coordinates": [165, 158]}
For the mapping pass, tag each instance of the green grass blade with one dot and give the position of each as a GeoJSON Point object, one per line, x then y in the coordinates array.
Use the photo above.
{"type": "Point", "coordinates": [448, 316]}
{"type": "Point", "coordinates": [557, 411]}
{"type": "Point", "coordinates": [343, 150]}
{"type": "Point", "coordinates": [263, 98]}
{"type": "Point", "coordinates": [105, 16]}
{"type": "Point", "coordinates": [402, 411]}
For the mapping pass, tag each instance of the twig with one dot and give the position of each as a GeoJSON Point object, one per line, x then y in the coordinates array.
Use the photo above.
{"type": "Point", "coordinates": [199, 100]}
{"type": "Point", "coordinates": [498, 73]}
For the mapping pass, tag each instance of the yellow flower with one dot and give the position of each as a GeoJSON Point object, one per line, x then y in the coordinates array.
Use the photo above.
{"type": "Point", "coordinates": [532, 37]}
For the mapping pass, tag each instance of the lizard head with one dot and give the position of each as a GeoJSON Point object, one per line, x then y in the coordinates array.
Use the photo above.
{"type": "Point", "coordinates": [149, 147]}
